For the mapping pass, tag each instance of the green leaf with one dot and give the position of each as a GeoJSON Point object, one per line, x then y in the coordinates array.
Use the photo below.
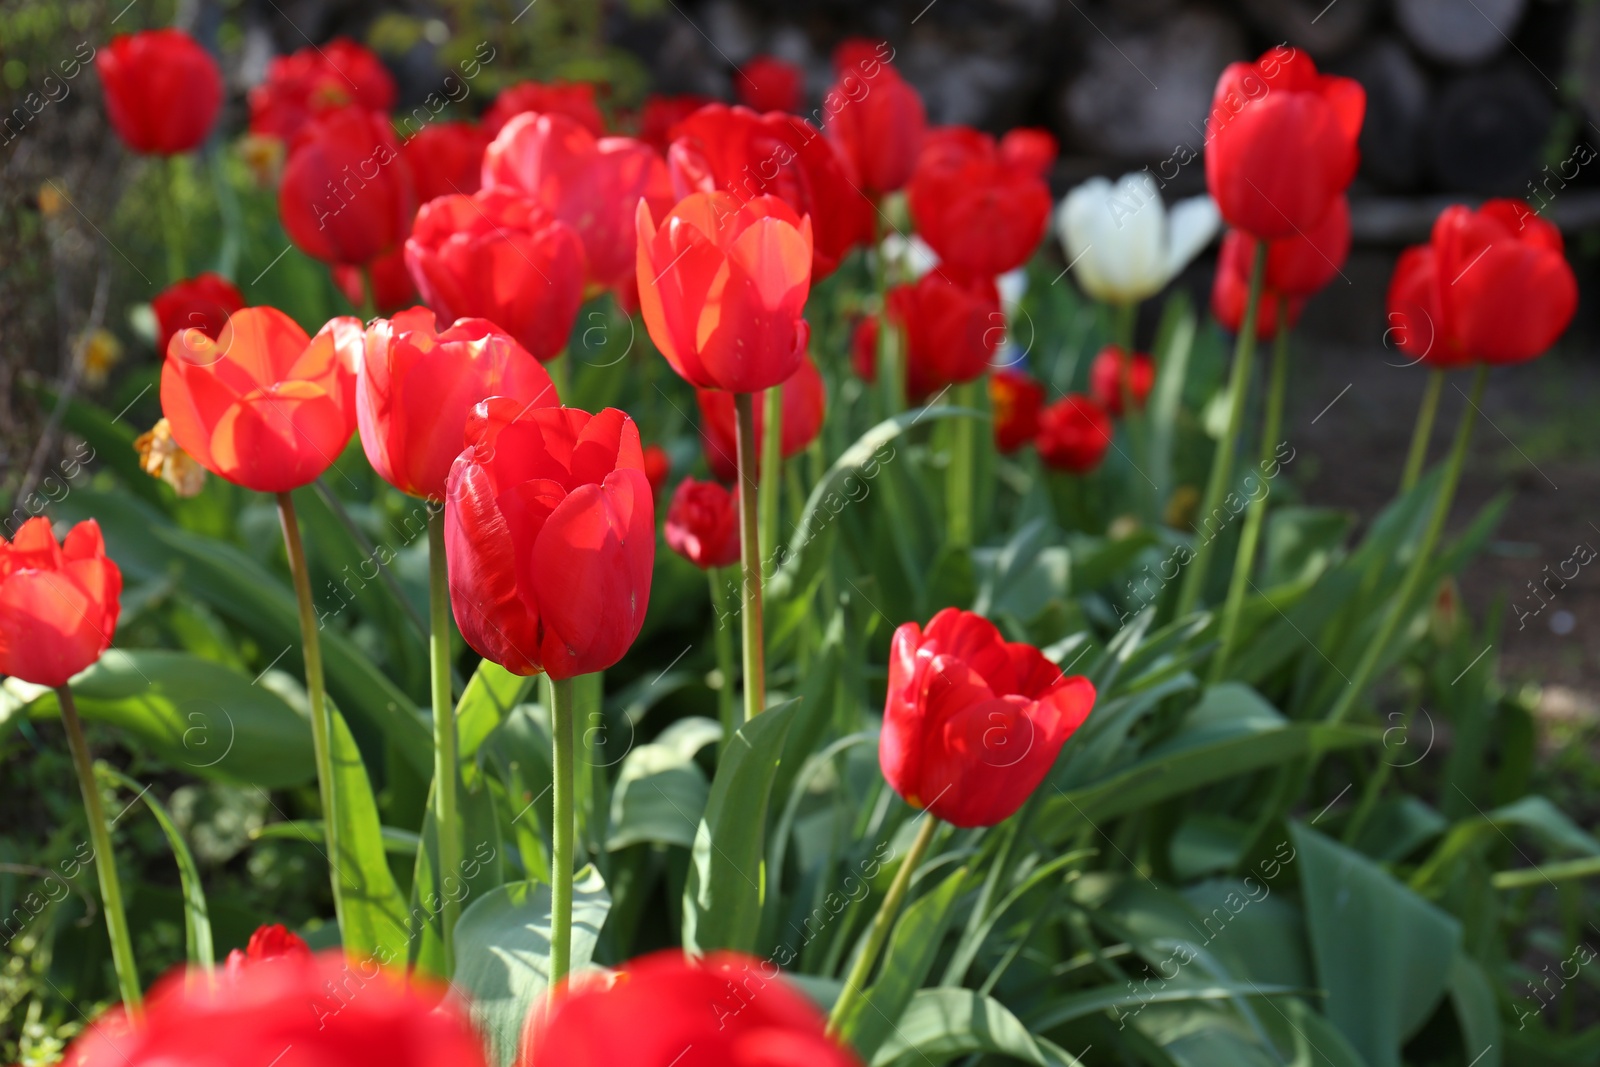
{"type": "Point", "coordinates": [396, 842]}
{"type": "Point", "coordinates": [723, 893]}
{"type": "Point", "coordinates": [502, 944]}
{"type": "Point", "coordinates": [917, 937]}
{"type": "Point", "coordinates": [1552, 827]}
{"type": "Point", "coordinates": [196, 917]}
{"type": "Point", "coordinates": [1382, 953]}
{"type": "Point", "coordinates": [197, 715]}
{"type": "Point", "coordinates": [373, 918]}
{"type": "Point", "coordinates": [1477, 1011]}
{"type": "Point", "coordinates": [659, 797]}
{"type": "Point", "coordinates": [941, 1024]}
{"type": "Point", "coordinates": [491, 693]}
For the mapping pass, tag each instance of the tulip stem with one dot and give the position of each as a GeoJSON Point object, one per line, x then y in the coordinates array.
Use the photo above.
{"type": "Point", "coordinates": [855, 983]}
{"type": "Point", "coordinates": [771, 468]}
{"type": "Point", "coordinates": [444, 736]}
{"type": "Point", "coordinates": [1217, 485]}
{"type": "Point", "coordinates": [105, 862]}
{"type": "Point", "coordinates": [958, 484]}
{"type": "Point", "coordinates": [1255, 518]}
{"type": "Point", "coordinates": [171, 233]}
{"type": "Point", "coordinates": [1423, 432]}
{"type": "Point", "coordinates": [1421, 560]}
{"type": "Point", "coordinates": [728, 712]}
{"type": "Point", "coordinates": [890, 376]}
{"type": "Point", "coordinates": [311, 648]}
{"type": "Point", "coordinates": [1126, 319]}
{"type": "Point", "coordinates": [755, 678]}
{"type": "Point", "coordinates": [562, 831]}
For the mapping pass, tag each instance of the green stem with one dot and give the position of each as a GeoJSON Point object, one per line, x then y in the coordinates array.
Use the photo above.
{"type": "Point", "coordinates": [1372, 792]}
{"type": "Point", "coordinates": [1125, 318]}
{"type": "Point", "coordinates": [1255, 518]}
{"type": "Point", "coordinates": [311, 647]}
{"type": "Point", "coordinates": [444, 735]}
{"type": "Point", "coordinates": [861, 970]}
{"type": "Point", "coordinates": [1424, 431]}
{"type": "Point", "coordinates": [755, 678]}
{"type": "Point", "coordinates": [1244, 351]}
{"type": "Point", "coordinates": [105, 861]}
{"type": "Point", "coordinates": [171, 232]}
{"type": "Point", "coordinates": [1420, 562]}
{"type": "Point", "coordinates": [771, 467]}
{"type": "Point", "coordinates": [563, 816]}
{"type": "Point", "coordinates": [890, 378]}
{"type": "Point", "coordinates": [560, 370]}
{"type": "Point", "coordinates": [958, 485]}
{"type": "Point", "coordinates": [369, 299]}
{"type": "Point", "coordinates": [727, 710]}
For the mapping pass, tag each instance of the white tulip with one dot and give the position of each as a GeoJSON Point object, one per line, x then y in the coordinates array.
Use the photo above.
{"type": "Point", "coordinates": [1122, 242]}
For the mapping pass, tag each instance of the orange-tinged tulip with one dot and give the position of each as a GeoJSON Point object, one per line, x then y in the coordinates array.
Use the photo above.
{"type": "Point", "coordinates": [58, 603]}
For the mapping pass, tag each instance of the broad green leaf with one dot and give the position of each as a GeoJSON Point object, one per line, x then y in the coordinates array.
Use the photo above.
{"type": "Point", "coordinates": [725, 888]}
{"type": "Point", "coordinates": [659, 797]}
{"type": "Point", "coordinates": [491, 693]}
{"type": "Point", "coordinates": [1128, 1001]}
{"type": "Point", "coordinates": [503, 953]}
{"type": "Point", "coordinates": [941, 1024]}
{"type": "Point", "coordinates": [1477, 1010]}
{"type": "Point", "coordinates": [481, 869]}
{"type": "Point", "coordinates": [1553, 828]}
{"type": "Point", "coordinates": [373, 917]}
{"type": "Point", "coordinates": [198, 716]}
{"type": "Point", "coordinates": [1382, 953]}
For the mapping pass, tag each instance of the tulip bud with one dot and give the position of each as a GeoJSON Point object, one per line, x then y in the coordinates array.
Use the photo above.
{"type": "Point", "coordinates": [58, 604]}
{"type": "Point", "coordinates": [162, 90]}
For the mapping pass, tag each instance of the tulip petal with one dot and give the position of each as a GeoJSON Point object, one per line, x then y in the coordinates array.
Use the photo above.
{"type": "Point", "coordinates": [484, 596]}
{"type": "Point", "coordinates": [1191, 224]}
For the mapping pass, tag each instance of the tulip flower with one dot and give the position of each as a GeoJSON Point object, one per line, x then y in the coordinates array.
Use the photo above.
{"type": "Point", "coordinates": [952, 324]}
{"type": "Point", "coordinates": [346, 194]}
{"type": "Point", "coordinates": [500, 256]}
{"type": "Point", "coordinates": [1230, 292]}
{"type": "Point", "coordinates": [878, 120]}
{"type": "Point", "coordinates": [594, 185]}
{"type": "Point", "coordinates": [263, 405]}
{"type": "Point", "coordinates": [445, 159]}
{"type": "Point", "coordinates": [1115, 375]}
{"type": "Point", "coordinates": [58, 603]}
{"type": "Point", "coordinates": [162, 90]}
{"type": "Point", "coordinates": [722, 286]}
{"type": "Point", "coordinates": [575, 100]}
{"type": "Point", "coordinates": [660, 116]}
{"type": "Point", "coordinates": [315, 79]}
{"type": "Point", "coordinates": [665, 1003]}
{"type": "Point", "coordinates": [1491, 286]}
{"type": "Point", "coordinates": [973, 723]}
{"type": "Point", "coordinates": [703, 524]}
{"type": "Point", "coordinates": [267, 943]}
{"type": "Point", "coordinates": [1281, 142]}
{"type": "Point", "coordinates": [1017, 400]}
{"type": "Point", "coordinates": [767, 83]}
{"type": "Point", "coordinates": [982, 213]}
{"type": "Point", "coordinates": [1074, 434]}
{"type": "Point", "coordinates": [419, 384]}
{"type": "Point", "coordinates": [292, 1010]}
{"type": "Point", "coordinates": [737, 151]}
{"type": "Point", "coordinates": [657, 466]}
{"type": "Point", "coordinates": [202, 303]}
{"type": "Point", "coordinates": [1123, 243]}
{"type": "Point", "coordinates": [384, 285]}
{"type": "Point", "coordinates": [805, 400]}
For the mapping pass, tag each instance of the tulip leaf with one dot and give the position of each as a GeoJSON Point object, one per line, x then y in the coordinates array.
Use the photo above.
{"type": "Point", "coordinates": [396, 842]}
{"type": "Point", "coordinates": [196, 917]}
{"type": "Point", "coordinates": [373, 916]}
{"type": "Point", "coordinates": [659, 797]}
{"type": "Point", "coordinates": [722, 896]}
{"type": "Point", "coordinates": [503, 953]}
{"type": "Point", "coordinates": [942, 1024]}
{"type": "Point", "coordinates": [916, 940]}
{"type": "Point", "coordinates": [491, 693]}
{"type": "Point", "coordinates": [198, 716]}
{"type": "Point", "coordinates": [482, 869]}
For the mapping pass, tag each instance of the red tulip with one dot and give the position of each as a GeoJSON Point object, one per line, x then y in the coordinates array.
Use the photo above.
{"type": "Point", "coordinates": [346, 194]}
{"type": "Point", "coordinates": [592, 184]}
{"type": "Point", "coordinates": [267, 943]}
{"type": "Point", "coordinates": [499, 255]}
{"type": "Point", "coordinates": [1113, 373]}
{"type": "Point", "coordinates": [162, 90]}
{"type": "Point", "coordinates": [973, 723]}
{"type": "Point", "coordinates": [445, 158]}
{"type": "Point", "coordinates": [738, 151]}
{"type": "Point", "coordinates": [1017, 400]}
{"type": "Point", "coordinates": [864, 348]}
{"type": "Point", "coordinates": [952, 327]}
{"type": "Point", "coordinates": [293, 1011]}
{"type": "Point", "coordinates": [659, 118]}
{"type": "Point", "coordinates": [1299, 265]}
{"type": "Point", "coordinates": [315, 79]}
{"type": "Point", "coordinates": [1031, 150]}
{"type": "Point", "coordinates": [703, 524]}
{"type": "Point", "coordinates": [1492, 286]}
{"type": "Point", "coordinates": [878, 120]}
{"type": "Point", "coordinates": [722, 286]}
{"type": "Point", "coordinates": [1230, 291]}
{"type": "Point", "coordinates": [58, 604]}
{"type": "Point", "coordinates": [1074, 434]}
{"type": "Point", "coordinates": [769, 84]}
{"type": "Point", "coordinates": [1281, 142]}
{"type": "Point", "coordinates": [575, 100]}
{"type": "Point", "coordinates": [982, 213]}
{"type": "Point", "coordinates": [805, 401]}
{"type": "Point", "coordinates": [202, 303]}
{"type": "Point", "coordinates": [550, 534]}
{"type": "Point", "coordinates": [263, 405]}
{"type": "Point", "coordinates": [666, 1010]}
{"type": "Point", "coordinates": [657, 467]}
{"type": "Point", "coordinates": [418, 386]}
{"type": "Point", "coordinates": [387, 277]}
